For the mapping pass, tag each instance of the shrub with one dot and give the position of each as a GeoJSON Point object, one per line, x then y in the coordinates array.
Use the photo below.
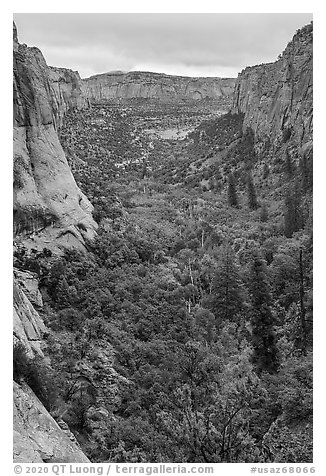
{"type": "Point", "coordinates": [69, 319]}
{"type": "Point", "coordinates": [21, 362]}
{"type": "Point", "coordinates": [35, 374]}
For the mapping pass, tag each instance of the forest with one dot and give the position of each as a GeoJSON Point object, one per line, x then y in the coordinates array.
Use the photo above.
{"type": "Point", "coordinates": [184, 333]}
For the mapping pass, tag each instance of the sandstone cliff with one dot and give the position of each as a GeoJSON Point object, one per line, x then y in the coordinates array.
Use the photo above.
{"type": "Point", "coordinates": [49, 211]}
{"type": "Point", "coordinates": [66, 92]}
{"type": "Point", "coordinates": [28, 326]}
{"type": "Point", "coordinates": [155, 86]}
{"type": "Point", "coordinates": [48, 205]}
{"type": "Point", "coordinates": [38, 437]}
{"type": "Point", "coordinates": [276, 98]}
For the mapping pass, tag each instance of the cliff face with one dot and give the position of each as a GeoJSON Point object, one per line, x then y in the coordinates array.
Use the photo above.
{"type": "Point", "coordinates": [276, 98]}
{"type": "Point", "coordinates": [49, 211]}
{"type": "Point", "coordinates": [66, 92]}
{"type": "Point", "coordinates": [38, 438]}
{"type": "Point", "coordinates": [28, 326]}
{"type": "Point", "coordinates": [46, 197]}
{"type": "Point", "coordinates": [155, 86]}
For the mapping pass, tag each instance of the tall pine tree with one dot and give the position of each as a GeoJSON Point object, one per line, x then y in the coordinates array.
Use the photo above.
{"type": "Point", "coordinates": [265, 356]}
{"type": "Point", "coordinates": [252, 195]}
{"type": "Point", "coordinates": [264, 213]}
{"type": "Point", "coordinates": [227, 298]}
{"type": "Point", "coordinates": [293, 216]}
{"type": "Point", "coordinates": [289, 165]}
{"type": "Point", "coordinates": [232, 191]}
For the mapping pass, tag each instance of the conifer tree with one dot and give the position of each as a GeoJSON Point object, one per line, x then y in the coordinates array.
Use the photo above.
{"type": "Point", "coordinates": [227, 297]}
{"type": "Point", "coordinates": [293, 217]}
{"type": "Point", "coordinates": [264, 213]}
{"type": "Point", "coordinates": [289, 166]}
{"type": "Point", "coordinates": [232, 192]}
{"type": "Point", "coordinates": [265, 356]}
{"type": "Point", "coordinates": [306, 171]}
{"type": "Point", "coordinates": [252, 196]}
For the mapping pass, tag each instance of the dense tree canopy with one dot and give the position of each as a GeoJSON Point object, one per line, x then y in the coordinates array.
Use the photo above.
{"type": "Point", "coordinates": [183, 334]}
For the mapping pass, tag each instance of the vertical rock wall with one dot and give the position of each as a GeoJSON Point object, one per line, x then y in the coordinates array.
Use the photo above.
{"type": "Point", "coordinates": [38, 438]}
{"type": "Point", "coordinates": [49, 208]}
{"type": "Point", "coordinates": [276, 98]}
{"type": "Point", "coordinates": [162, 87]}
{"type": "Point", "coordinates": [67, 92]}
{"type": "Point", "coordinates": [49, 211]}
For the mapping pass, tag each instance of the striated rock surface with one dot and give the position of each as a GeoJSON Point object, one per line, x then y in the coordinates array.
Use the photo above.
{"type": "Point", "coordinates": [155, 86]}
{"type": "Point", "coordinates": [276, 98]}
{"type": "Point", "coordinates": [67, 92]}
{"type": "Point", "coordinates": [48, 205]}
{"type": "Point", "coordinates": [28, 326]}
{"type": "Point", "coordinates": [37, 436]}
{"type": "Point", "coordinates": [28, 282]}
{"type": "Point", "coordinates": [49, 211]}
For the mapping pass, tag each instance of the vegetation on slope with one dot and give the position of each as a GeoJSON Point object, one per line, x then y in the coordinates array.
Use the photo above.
{"type": "Point", "coordinates": [184, 334]}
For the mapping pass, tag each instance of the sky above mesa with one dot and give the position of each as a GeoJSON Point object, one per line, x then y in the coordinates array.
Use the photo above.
{"type": "Point", "coordinates": [199, 44]}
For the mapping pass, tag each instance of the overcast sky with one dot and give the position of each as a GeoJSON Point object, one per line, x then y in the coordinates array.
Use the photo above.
{"type": "Point", "coordinates": [200, 44]}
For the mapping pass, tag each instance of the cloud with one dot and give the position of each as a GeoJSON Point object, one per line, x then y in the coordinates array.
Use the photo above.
{"type": "Point", "coordinates": [201, 43]}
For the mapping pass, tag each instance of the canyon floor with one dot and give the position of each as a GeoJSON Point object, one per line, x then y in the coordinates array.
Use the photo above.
{"type": "Point", "coordinates": [154, 349]}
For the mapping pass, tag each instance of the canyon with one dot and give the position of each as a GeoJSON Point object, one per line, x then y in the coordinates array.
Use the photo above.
{"type": "Point", "coordinates": [276, 100]}
{"type": "Point", "coordinates": [59, 176]}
